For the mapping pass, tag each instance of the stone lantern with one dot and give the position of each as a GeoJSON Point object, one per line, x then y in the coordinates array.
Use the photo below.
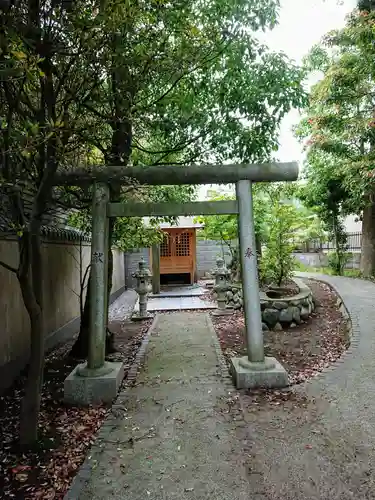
{"type": "Point", "coordinates": [222, 285]}
{"type": "Point", "coordinates": [143, 288]}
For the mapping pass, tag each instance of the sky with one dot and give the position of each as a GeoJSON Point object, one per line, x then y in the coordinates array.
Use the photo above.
{"type": "Point", "coordinates": [300, 28]}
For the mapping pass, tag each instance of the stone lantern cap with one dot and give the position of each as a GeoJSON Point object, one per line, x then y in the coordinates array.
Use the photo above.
{"type": "Point", "coordinates": [143, 270]}
{"type": "Point", "coordinates": [221, 269]}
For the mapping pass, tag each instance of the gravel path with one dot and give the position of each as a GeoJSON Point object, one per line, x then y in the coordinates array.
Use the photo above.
{"type": "Point", "coordinates": [172, 435]}
{"type": "Point", "coordinates": [322, 445]}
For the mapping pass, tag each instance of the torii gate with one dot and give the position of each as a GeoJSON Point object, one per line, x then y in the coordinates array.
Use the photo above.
{"type": "Point", "coordinates": [98, 380]}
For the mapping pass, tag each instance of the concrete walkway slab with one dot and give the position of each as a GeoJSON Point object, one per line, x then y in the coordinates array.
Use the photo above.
{"type": "Point", "coordinates": [178, 304]}
{"type": "Point", "coordinates": [181, 291]}
{"type": "Point", "coordinates": [169, 438]}
{"type": "Point", "coordinates": [179, 299]}
{"type": "Point", "coordinates": [323, 447]}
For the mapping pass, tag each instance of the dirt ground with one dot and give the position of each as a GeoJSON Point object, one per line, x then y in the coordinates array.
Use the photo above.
{"type": "Point", "coordinates": [66, 431]}
{"type": "Point", "coordinates": [304, 350]}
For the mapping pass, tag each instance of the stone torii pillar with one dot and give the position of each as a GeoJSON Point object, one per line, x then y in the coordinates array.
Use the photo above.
{"type": "Point", "coordinates": [96, 381]}
{"type": "Point", "coordinates": [253, 370]}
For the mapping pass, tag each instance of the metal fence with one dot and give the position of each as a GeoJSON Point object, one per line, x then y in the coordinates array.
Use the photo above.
{"type": "Point", "coordinates": [354, 243]}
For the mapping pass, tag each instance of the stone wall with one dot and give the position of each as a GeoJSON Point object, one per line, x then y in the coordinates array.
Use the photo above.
{"type": "Point", "coordinates": [281, 312]}
{"type": "Point", "coordinates": [64, 263]}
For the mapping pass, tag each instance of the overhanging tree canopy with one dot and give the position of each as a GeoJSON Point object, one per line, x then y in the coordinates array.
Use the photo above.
{"type": "Point", "coordinates": [104, 82]}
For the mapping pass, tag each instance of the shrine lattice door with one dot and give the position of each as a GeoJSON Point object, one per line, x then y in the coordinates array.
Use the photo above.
{"type": "Point", "coordinates": [177, 252]}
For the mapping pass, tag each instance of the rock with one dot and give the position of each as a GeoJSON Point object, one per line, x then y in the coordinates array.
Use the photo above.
{"type": "Point", "coordinates": [240, 301]}
{"type": "Point", "coordinates": [305, 302]}
{"type": "Point", "coordinates": [229, 295]}
{"type": "Point", "coordinates": [316, 302]}
{"type": "Point", "coordinates": [277, 327]}
{"type": "Point", "coordinates": [296, 315]}
{"type": "Point", "coordinates": [271, 317]}
{"type": "Point", "coordinates": [279, 305]}
{"type": "Point", "coordinates": [286, 315]}
{"type": "Point", "coordinates": [265, 327]}
{"type": "Point", "coordinates": [263, 305]}
{"type": "Point", "coordinates": [235, 298]}
{"type": "Point", "coordinates": [292, 325]}
{"type": "Point", "coordinates": [305, 313]}
{"type": "Point", "coordinates": [237, 306]}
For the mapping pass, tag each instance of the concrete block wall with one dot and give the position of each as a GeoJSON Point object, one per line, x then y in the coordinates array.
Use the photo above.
{"type": "Point", "coordinates": [320, 259]}
{"type": "Point", "coordinates": [131, 260]}
{"type": "Point", "coordinates": [207, 253]}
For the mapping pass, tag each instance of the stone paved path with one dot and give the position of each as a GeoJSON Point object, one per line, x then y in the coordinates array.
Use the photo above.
{"type": "Point", "coordinates": [170, 438]}
{"type": "Point", "coordinates": [324, 447]}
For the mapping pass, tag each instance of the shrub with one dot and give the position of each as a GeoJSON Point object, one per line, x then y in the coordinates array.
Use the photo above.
{"type": "Point", "coordinates": [337, 261]}
{"type": "Point", "coordinates": [278, 263]}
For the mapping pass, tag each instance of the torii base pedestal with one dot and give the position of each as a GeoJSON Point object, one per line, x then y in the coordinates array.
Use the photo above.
{"type": "Point", "coordinates": [247, 375]}
{"type": "Point", "coordinates": [90, 389]}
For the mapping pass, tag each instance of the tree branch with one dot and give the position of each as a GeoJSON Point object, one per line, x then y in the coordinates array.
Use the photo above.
{"type": "Point", "coordinates": [186, 73]}
{"type": "Point", "coordinates": [8, 267]}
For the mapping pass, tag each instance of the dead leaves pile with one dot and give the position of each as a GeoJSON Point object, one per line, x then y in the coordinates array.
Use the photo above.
{"type": "Point", "coordinates": [66, 433]}
{"type": "Point", "coordinates": [305, 350]}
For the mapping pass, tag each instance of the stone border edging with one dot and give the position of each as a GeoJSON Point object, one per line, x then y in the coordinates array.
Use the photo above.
{"type": "Point", "coordinates": [140, 356]}
{"type": "Point", "coordinates": [223, 367]}
{"type": "Point", "coordinates": [353, 329]}
{"type": "Point", "coordinates": [84, 472]}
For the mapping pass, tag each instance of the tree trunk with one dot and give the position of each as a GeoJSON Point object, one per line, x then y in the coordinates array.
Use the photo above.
{"type": "Point", "coordinates": [30, 278]}
{"type": "Point", "coordinates": [31, 401]}
{"type": "Point", "coordinates": [80, 348]}
{"type": "Point", "coordinates": [368, 241]}
{"type": "Point", "coordinates": [110, 338]}
{"type": "Point", "coordinates": [118, 154]}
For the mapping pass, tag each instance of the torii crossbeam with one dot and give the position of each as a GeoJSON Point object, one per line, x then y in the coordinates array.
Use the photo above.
{"type": "Point", "coordinates": [252, 371]}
